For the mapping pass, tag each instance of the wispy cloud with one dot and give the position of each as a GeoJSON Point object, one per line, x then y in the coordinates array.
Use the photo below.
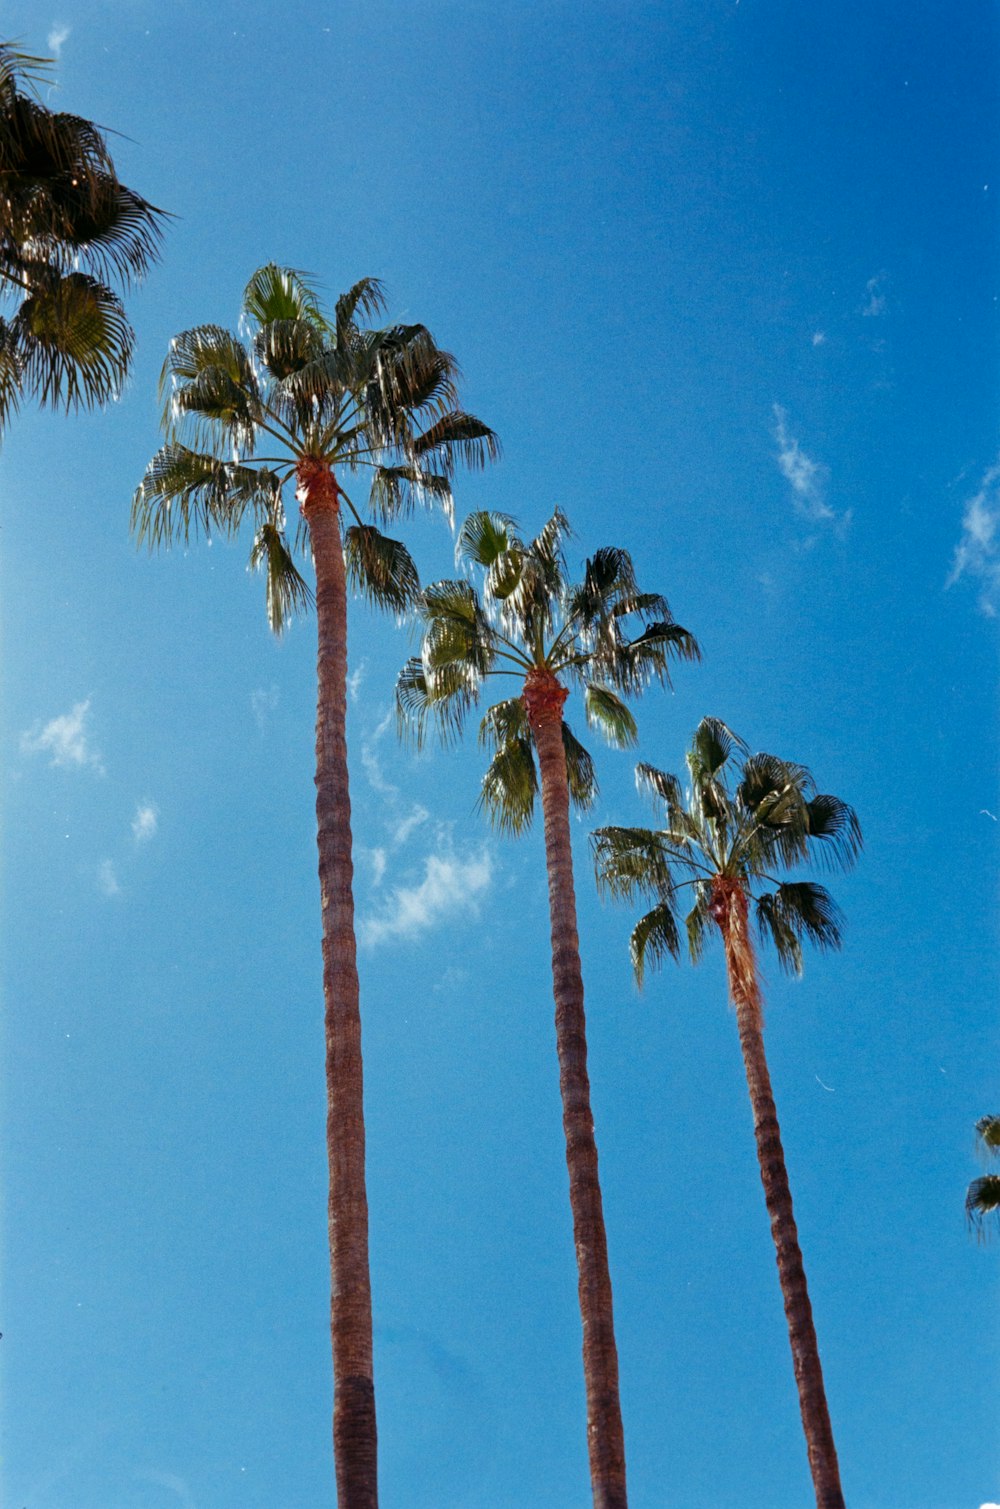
{"type": "Point", "coordinates": [66, 739]}
{"type": "Point", "coordinates": [406, 825]}
{"type": "Point", "coordinates": [450, 888]}
{"type": "Point", "coordinates": [977, 553]}
{"type": "Point", "coordinates": [145, 822]}
{"type": "Point", "coordinates": [263, 702]}
{"type": "Point", "coordinates": [875, 297]}
{"type": "Point", "coordinates": [819, 337]}
{"type": "Point", "coordinates": [355, 679]}
{"type": "Point", "coordinates": [57, 38]}
{"type": "Point", "coordinates": [806, 477]}
{"type": "Point", "coordinates": [107, 878]}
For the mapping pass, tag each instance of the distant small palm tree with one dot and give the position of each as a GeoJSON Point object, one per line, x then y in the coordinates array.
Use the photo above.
{"type": "Point", "coordinates": [327, 394]}
{"type": "Point", "coordinates": [723, 840]}
{"type": "Point", "coordinates": [551, 634]}
{"type": "Point", "coordinates": [982, 1201]}
{"type": "Point", "coordinates": [68, 226]}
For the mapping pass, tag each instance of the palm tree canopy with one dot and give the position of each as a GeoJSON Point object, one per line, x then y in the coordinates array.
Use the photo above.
{"type": "Point", "coordinates": [68, 229]}
{"type": "Point", "coordinates": [743, 817]}
{"type": "Point", "coordinates": [310, 388]}
{"type": "Point", "coordinates": [601, 635]}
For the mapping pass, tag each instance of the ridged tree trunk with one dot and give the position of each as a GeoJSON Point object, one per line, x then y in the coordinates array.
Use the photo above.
{"type": "Point", "coordinates": [729, 907]}
{"type": "Point", "coordinates": [543, 699]}
{"type": "Point", "coordinates": [354, 1434]}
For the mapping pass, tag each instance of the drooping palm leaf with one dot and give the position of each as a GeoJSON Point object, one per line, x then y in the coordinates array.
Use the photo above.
{"type": "Point", "coordinates": [380, 569]}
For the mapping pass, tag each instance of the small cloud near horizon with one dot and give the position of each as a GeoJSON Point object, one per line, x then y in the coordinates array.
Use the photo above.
{"type": "Point", "coordinates": [450, 887]}
{"type": "Point", "coordinates": [66, 739]}
{"type": "Point", "coordinates": [977, 554]}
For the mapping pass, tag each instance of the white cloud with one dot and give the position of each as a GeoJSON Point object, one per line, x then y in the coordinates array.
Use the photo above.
{"type": "Point", "coordinates": [377, 859]}
{"type": "Point", "coordinates": [977, 553]}
{"type": "Point", "coordinates": [406, 825]}
{"type": "Point", "coordinates": [66, 739]}
{"type": "Point", "coordinates": [107, 879]}
{"type": "Point", "coordinates": [373, 770]}
{"type": "Point", "coordinates": [355, 679]}
{"type": "Point", "coordinates": [450, 888]}
{"type": "Point", "coordinates": [875, 291]}
{"type": "Point", "coordinates": [807, 478]}
{"type": "Point", "coordinates": [145, 822]}
{"type": "Point", "coordinates": [263, 702]}
{"type": "Point", "coordinates": [819, 337]}
{"type": "Point", "coordinates": [57, 38]}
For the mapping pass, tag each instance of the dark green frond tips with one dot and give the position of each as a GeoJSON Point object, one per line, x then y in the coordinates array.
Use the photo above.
{"type": "Point", "coordinates": [982, 1204]}
{"type": "Point", "coordinates": [282, 293]}
{"type": "Point", "coordinates": [654, 939]}
{"type": "Point", "coordinates": [510, 786]}
{"type": "Point", "coordinates": [287, 592]}
{"type": "Point", "coordinates": [610, 716]}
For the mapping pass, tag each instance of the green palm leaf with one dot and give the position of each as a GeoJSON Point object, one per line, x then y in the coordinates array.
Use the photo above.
{"type": "Point", "coordinates": [282, 293]}
{"type": "Point", "coordinates": [581, 775]}
{"type": "Point", "coordinates": [74, 342]}
{"type": "Point", "coordinates": [654, 939]}
{"type": "Point", "coordinates": [381, 569]}
{"type": "Point", "coordinates": [510, 785]}
{"type": "Point", "coordinates": [185, 492]}
{"type": "Point", "coordinates": [287, 593]}
{"type": "Point", "coordinates": [484, 537]}
{"type": "Point", "coordinates": [609, 714]}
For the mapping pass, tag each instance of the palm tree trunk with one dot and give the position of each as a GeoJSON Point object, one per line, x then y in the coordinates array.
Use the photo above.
{"type": "Point", "coordinates": [354, 1434]}
{"type": "Point", "coordinates": [730, 908]}
{"type": "Point", "coordinates": [544, 698]}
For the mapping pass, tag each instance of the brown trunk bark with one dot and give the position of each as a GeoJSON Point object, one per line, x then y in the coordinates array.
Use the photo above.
{"type": "Point", "coordinates": [730, 908]}
{"type": "Point", "coordinates": [354, 1435]}
{"type": "Point", "coordinates": [544, 698]}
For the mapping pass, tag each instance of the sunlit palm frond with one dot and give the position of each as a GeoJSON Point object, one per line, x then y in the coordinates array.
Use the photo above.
{"type": "Point", "coordinates": [608, 713]}
{"type": "Point", "coordinates": [282, 293]}
{"type": "Point", "coordinates": [366, 298]}
{"type": "Point", "coordinates": [631, 862]}
{"type": "Point", "coordinates": [185, 492]}
{"type": "Point", "coordinates": [711, 747]}
{"type": "Point", "coordinates": [286, 346]}
{"type": "Point", "coordinates": [397, 490]}
{"type": "Point", "coordinates": [836, 825]}
{"type": "Point", "coordinates": [988, 1134]}
{"type": "Point", "coordinates": [698, 921]}
{"type": "Point", "coordinates": [484, 537]}
{"type": "Point", "coordinates": [581, 775]}
{"type": "Point", "coordinates": [502, 722]}
{"type": "Point", "coordinates": [456, 437]}
{"type": "Point", "coordinates": [654, 939]}
{"type": "Point", "coordinates": [440, 700]}
{"type": "Point", "coordinates": [659, 783]}
{"type": "Point", "coordinates": [510, 786]}
{"type": "Point", "coordinates": [287, 591]}
{"type": "Point", "coordinates": [381, 569]}
{"type": "Point", "coordinates": [10, 373]}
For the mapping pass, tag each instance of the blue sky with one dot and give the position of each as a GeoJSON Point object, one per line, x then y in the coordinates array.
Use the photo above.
{"type": "Point", "coordinates": [724, 278]}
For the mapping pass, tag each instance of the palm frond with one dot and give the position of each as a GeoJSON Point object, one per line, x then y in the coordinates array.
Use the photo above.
{"type": "Point", "coordinates": [381, 569]}
{"type": "Point", "coordinates": [510, 786]}
{"type": "Point", "coordinates": [73, 342]}
{"type": "Point", "coordinates": [796, 910]}
{"type": "Point", "coordinates": [286, 346]}
{"type": "Point", "coordinates": [988, 1133]}
{"type": "Point", "coordinates": [502, 722]}
{"type": "Point", "coordinates": [287, 591]}
{"type": "Point", "coordinates": [654, 939]}
{"type": "Point", "coordinates": [457, 436]}
{"type": "Point", "coordinates": [282, 293]}
{"type": "Point", "coordinates": [630, 862]}
{"type": "Point", "coordinates": [648, 658]}
{"type": "Point", "coordinates": [581, 776]}
{"type": "Point", "coordinates": [185, 492]}
{"type": "Point", "coordinates": [366, 298]}
{"type": "Point", "coordinates": [660, 783]}
{"type": "Point", "coordinates": [836, 825]}
{"type": "Point", "coordinates": [396, 490]}
{"type": "Point", "coordinates": [609, 714]}
{"type": "Point", "coordinates": [484, 537]}
{"type": "Point", "coordinates": [711, 747]}
{"type": "Point", "coordinates": [697, 921]}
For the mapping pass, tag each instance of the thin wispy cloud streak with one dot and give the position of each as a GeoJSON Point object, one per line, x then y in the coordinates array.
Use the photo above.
{"type": "Point", "coordinates": [806, 477]}
{"type": "Point", "coordinates": [66, 740]}
{"type": "Point", "coordinates": [107, 879]}
{"type": "Point", "coordinates": [57, 38]}
{"type": "Point", "coordinates": [977, 554]}
{"type": "Point", "coordinates": [451, 887]}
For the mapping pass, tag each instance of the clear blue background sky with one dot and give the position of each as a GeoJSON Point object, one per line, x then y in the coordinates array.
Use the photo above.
{"type": "Point", "coordinates": [724, 277]}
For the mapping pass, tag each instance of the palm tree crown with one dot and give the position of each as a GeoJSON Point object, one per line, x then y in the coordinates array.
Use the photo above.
{"type": "Point", "coordinates": [730, 834]}
{"type": "Point", "coordinates": [68, 228]}
{"type": "Point", "coordinates": [982, 1200]}
{"type": "Point", "coordinates": [325, 392]}
{"type": "Point", "coordinates": [532, 622]}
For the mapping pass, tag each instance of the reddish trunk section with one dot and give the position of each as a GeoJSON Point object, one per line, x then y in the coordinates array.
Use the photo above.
{"type": "Point", "coordinates": [729, 909]}
{"type": "Point", "coordinates": [354, 1435]}
{"type": "Point", "coordinates": [543, 700]}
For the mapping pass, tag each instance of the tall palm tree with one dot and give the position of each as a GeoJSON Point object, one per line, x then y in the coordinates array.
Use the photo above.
{"type": "Point", "coordinates": [735, 829]}
{"type": "Point", "coordinates": [982, 1200]}
{"type": "Point", "coordinates": [325, 394]}
{"type": "Point", "coordinates": [68, 228]}
{"type": "Point", "coordinates": [532, 623]}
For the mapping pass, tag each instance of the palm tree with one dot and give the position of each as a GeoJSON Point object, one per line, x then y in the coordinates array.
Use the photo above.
{"type": "Point", "coordinates": [982, 1200]}
{"type": "Point", "coordinates": [533, 624]}
{"type": "Point", "coordinates": [68, 227]}
{"type": "Point", "coordinates": [325, 394]}
{"type": "Point", "coordinates": [724, 841]}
